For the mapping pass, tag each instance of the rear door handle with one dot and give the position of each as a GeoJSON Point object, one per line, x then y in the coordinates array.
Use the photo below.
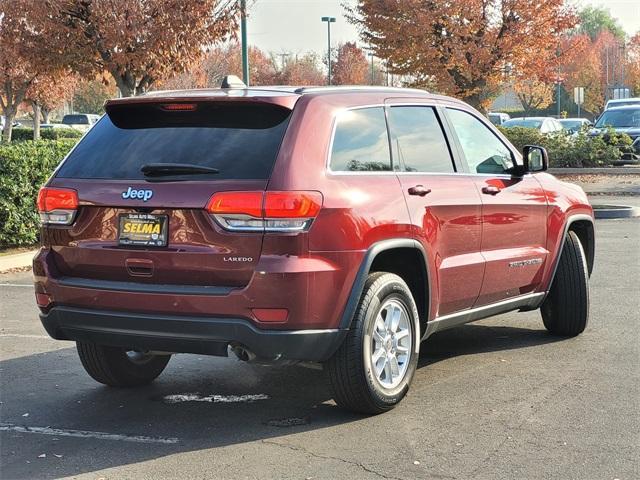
{"type": "Point", "coordinates": [419, 190]}
{"type": "Point", "coordinates": [491, 190]}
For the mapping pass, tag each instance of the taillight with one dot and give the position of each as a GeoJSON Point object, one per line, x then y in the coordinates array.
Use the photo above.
{"type": "Point", "coordinates": [57, 206]}
{"type": "Point", "coordinates": [265, 211]}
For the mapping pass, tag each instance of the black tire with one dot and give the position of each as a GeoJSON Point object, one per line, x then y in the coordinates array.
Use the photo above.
{"type": "Point", "coordinates": [565, 311]}
{"type": "Point", "coordinates": [353, 381]}
{"type": "Point", "coordinates": [113, 366]}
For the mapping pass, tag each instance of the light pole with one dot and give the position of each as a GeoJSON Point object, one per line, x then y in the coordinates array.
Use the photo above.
{"type": "Point", "coordinates": [329, 21]}
{"type": "Point", "coordinates": [371, 55]}
{"type": "Point", "coordinates": [283, 56]}
{"type": "Point", "coordinates": [243, 34]}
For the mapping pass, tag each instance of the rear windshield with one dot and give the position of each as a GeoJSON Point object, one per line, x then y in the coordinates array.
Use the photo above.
{"type": "Point", "coordinates": [240, 141]}
{"type": "Point", "coordinates": [75, 120]}
{"type": "Point", "coordinates": [628, 117]}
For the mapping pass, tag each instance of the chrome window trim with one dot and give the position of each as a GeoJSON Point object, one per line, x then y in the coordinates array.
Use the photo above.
{"type": "Point", "coordinates": [426, 103]}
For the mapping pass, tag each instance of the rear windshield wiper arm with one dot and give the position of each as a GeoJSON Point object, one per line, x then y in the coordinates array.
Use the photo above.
{"type": "Point", "coordinates": [166, 169]}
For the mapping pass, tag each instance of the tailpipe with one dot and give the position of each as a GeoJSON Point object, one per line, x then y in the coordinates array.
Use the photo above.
{"type": "Point", "coordinates": [242, 353]}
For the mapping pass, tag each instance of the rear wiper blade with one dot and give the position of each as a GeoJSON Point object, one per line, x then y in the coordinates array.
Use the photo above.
{"type": "Point", "coordinates": [165, 169]}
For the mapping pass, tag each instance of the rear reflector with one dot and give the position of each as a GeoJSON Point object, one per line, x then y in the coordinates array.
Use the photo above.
{"type": "Point", "coordinates": [43, 300]}
{"type": "Point", "coordinates": [272, 315]}
{"type": "Point", "coordinates": [57, 205]}
{"type": "Point", "coordinates": [265, 211]}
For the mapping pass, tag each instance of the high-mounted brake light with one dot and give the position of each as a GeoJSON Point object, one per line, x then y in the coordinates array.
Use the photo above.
{"type": "Point", "coordinates": [179, 107]}
{"type": "Point", "coordinates": [265, 211]}
{"type": "Point", "coordinates": [57, 206]}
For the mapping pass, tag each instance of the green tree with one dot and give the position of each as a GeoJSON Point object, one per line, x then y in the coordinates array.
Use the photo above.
{"type": "Point", "coordinates": [594, 20]}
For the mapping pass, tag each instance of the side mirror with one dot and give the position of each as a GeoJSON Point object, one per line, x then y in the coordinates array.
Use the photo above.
{"type": "Point", "coordinates": [535, 158]}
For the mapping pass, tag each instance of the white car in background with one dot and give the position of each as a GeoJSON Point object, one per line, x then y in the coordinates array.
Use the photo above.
{"type": "Point", "coordinates": [574, 125]}
{"type": "Point", "coordinates": [80, 121]}
{"type": "Point", "coordinates": [498, 118]}
{"type": "Point", "coordinates": [56, 126]}
{"type": "Point", "coordinates": [542, 124]}
{"type": "Point", "coordinates": [622, 102]}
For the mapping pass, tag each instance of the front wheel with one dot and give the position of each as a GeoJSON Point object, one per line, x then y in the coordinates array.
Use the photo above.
{"type": "Point", "coordinates": [373, 368]}
{"type": "Point", "coordinates": [119, 367]}
{"type": "Point", "coordinates": [565, 311]}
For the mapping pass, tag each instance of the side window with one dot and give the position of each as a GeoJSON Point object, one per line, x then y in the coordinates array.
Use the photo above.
{"type": "Point", "coordinates": [418, 140]}
{"type": "Point", "coordinates": [485, 153]}
{"type": "Point", "coordinates": [360, 142]}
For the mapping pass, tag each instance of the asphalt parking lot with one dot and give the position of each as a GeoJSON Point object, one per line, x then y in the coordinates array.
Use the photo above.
{"type": "Point", "coordinates": [495, 399]}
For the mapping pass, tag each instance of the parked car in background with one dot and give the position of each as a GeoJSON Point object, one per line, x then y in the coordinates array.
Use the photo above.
{"type": "Point", "coordinates": [622, 102]}
{"type": "Point", "coordinates": [57, 126]}
{"type": "Point", "coordinates": [3, 121]}
{"type": "Point", "coordinates": [544, 124]}
{"type": "Point", "coordinates": [624, 119]}
{"type": "Point", "coordinates": [573, 125]}
{"type": "Point", "coordinates": [498, 118]}
{"type": "Point", "coordinates": [80, 121]}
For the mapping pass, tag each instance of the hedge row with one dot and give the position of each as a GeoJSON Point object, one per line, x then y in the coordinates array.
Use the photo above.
{"type": "Point", "coordinates": [23, 134]}
{"type": "Point", "coordinates": [24, 168]}
{"type": "Point", "coordinates": [580, 150]}
{"type": "Point", "coordinates": [26, 165]}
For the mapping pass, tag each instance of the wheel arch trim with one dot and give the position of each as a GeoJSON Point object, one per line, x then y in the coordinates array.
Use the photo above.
{"type": "Point", "coordinates": [365, 266]}
{"type": "Point", "coordinates": [589, 250]}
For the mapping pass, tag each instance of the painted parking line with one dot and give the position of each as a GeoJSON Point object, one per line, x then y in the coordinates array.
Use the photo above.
{"type": "Point", "coordinates": [63, 432]}
{"type": "Point", "coordinates": [195, 397]}
{"type": "Point", "coordinates": [30, 285]}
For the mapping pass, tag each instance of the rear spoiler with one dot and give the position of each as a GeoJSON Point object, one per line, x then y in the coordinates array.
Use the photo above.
{"type": "Point", "coordinates": [273, 97]}
{"type": "Point", "coordinates": [217, 111]}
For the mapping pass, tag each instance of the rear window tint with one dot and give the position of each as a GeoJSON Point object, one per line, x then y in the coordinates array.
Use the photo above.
{"type": "Point", "coordinates": [241, 141]}
{"type": "Point", "coordinates": [360, 142]}
{"type": "Point", "coordinates": [75, 120]}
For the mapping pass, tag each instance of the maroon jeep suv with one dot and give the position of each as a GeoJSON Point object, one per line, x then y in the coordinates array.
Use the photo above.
{"type": "Point", "coordinates": [336, 225]}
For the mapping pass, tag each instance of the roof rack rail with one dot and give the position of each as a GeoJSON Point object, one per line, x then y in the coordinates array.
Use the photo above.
{"type": "Point", "coordinates": [370, 88]}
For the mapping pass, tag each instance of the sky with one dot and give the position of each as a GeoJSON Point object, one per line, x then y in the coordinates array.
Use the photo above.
{"type": "Point", "coordinates": [294, 26]}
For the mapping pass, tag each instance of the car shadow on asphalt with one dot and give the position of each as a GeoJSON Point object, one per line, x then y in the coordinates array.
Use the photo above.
{"type": "Point", "coordinates": [56, 393]}
{"type": "Point", "coordinates": [475, 338]}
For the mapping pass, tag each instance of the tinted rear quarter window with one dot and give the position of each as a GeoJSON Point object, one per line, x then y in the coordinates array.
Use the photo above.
{"type": "Point", "coordinates": [360, 141]}
{"type": "Point", "coordinates": [419, 140]}
{"type": "Point", "coordinates": [241, 141]}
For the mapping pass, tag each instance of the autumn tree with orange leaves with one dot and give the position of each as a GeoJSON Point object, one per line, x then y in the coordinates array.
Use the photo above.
{"type": "Point", "coordinates": [32, 48]}
{"type": "Point", "coordinates": [47, 92]}
{"type": "Point", "coordinates": [139, 42]}
{"type": "Point", "coordinates": [221, 61]}
{"type": "Point", "coordinates": [633, 49]}
{"type": "Point", "coordinates": [462, 46]}
{"type": "Point", "coordinates": [533, 94]}
{"type": "Point", "coordinates": [350, 66]}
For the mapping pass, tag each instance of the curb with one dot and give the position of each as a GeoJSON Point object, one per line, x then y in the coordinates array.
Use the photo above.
{"type": "Point", "coordinates": [18, 260]}
{"type": "Point", "coordinates": [615, 211]}
{"type": "Point", "coordinates": [595, 171]}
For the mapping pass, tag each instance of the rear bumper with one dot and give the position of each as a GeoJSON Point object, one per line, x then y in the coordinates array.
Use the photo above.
{"type": "Point", "coordinates": [187, 334]}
